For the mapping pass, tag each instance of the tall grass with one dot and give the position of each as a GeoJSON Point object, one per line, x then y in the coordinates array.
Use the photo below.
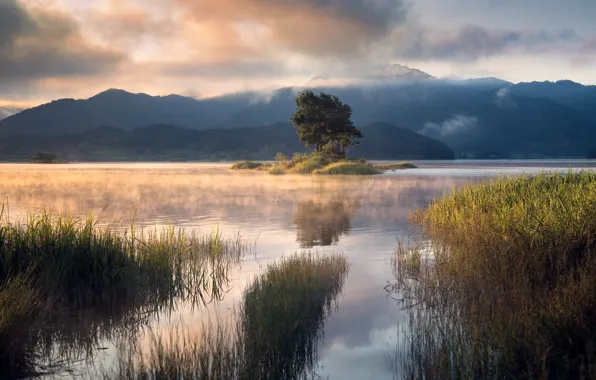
{"type": "Point", "coordinates": [510, 288]}
{"type": "Point", "coordinates": [84, 282]}
{"type": "Point", "coordinates": [275, 336]}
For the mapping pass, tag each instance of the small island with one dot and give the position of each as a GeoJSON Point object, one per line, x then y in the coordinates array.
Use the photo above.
{"type": "Point", "coordinates": [46, 158]}
{"type": "Point", "coordinates": [323, 123]}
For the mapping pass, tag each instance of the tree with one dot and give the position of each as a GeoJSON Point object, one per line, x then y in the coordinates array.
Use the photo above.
{"type": "Point", "coordinates": [324, 122]}
{"type": "Point", "coordinates": [44, 158]}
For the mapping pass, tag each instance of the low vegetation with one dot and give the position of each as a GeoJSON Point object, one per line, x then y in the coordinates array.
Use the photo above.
{"type": "Point", "coordinates": [250, 165]}
{"type": "Point", "coordinates": [507, 287]}
{"type": "Point", "coordinates": [348, 168]}
{"type": "Point", "coordinates": [395, 166]}
{"type": "Point", "coordinates": [275, 336]}
{"type": "Point", "coordinates": [323, 163]}
{"type": "Point", "coordinates": [65, 283]}
{"type": "Point", "coordinates": [46, 158]}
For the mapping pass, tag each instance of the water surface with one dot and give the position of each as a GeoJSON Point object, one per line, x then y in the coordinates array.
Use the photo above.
{"type": "Point", "coordinates": [363, 217]}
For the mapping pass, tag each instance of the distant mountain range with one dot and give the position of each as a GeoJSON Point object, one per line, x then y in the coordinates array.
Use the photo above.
{"type": "Point", "coordinates": [171, 143]}
{"type": "Point", "coordinates": [478, 118]}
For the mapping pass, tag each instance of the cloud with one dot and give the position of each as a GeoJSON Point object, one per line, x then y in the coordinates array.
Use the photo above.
{"type": "Point", "coordinates": [128, 23]}
{"type": "Point", "coordinates": [322, 28]}
{"type": "Point", "coordinates": [38, 42]}
{"type": "Point", "coordinates": [473, 42]}
{"type": "Point", "coordinates": [455, 125]}
{"type": "Point", "coordinates": [503, 98]}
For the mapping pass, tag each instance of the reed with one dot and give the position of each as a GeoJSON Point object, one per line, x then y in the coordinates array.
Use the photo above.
{"type": "Point", "coordinates": [275, 336]}
{"type": "Point", "coordinates": [508, 289]}
{"type": "Point", "coordinates": [85, 283]}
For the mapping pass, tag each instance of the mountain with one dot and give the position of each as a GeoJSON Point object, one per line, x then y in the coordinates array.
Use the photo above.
{"type": "Point", "coordinates": [566, 92]}
{"type": "Point", "coordinates": [171, 143]}
{"type": "Point", "coordinates": [478, 118]}
{"type": "Point", "coordinates": [121, 109]}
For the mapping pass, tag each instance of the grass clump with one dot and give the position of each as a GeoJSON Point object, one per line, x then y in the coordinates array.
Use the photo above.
{"type": "Point", "coordinates": [276, 170]}
{"type": "Point", "coordinates": [395, 166]}
{"type": "Point", "coordinates": [321, 163]}
{"type": "Point", "coordinates": [510, 288]}
{"type": "Point", "coordinates": [348, 168]}
{"type": "Point", "coordinates": [275, 336]}
{"type": "Point", "coordinates": [284, 311]}
{"type": "Point", "coordinates": [250, 165]}
{"type": "Point", "coordinates": [84, 283]}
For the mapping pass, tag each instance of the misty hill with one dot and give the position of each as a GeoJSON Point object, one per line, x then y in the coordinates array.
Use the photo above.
{"type": "Point", "coordinates": [478, 118]}
{"type": "Point", "coordinates": [171, 143]}
{"type": "Point", "coordinates": [6, 112]}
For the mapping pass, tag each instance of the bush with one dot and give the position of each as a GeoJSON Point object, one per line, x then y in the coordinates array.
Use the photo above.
{"type": "Point", "coordinates": [276, 170]}
{"type": "Point", "coordinates": [246, 165]}
{"type": "Point", "coordinates": [512, 281]}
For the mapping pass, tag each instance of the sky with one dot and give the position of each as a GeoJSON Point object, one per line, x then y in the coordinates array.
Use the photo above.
{"type": "Point", "coordinates": [53, 49]}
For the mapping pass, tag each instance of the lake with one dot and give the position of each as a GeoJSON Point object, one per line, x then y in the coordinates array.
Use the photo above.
{"type": "Point", "coordinates": [362, 217]}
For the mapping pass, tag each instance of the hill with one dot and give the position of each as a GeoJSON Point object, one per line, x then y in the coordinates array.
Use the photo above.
{"type": "Point", "coordinates": [170, 143]}
{"type": "Point", "coordinates": [478, 118]}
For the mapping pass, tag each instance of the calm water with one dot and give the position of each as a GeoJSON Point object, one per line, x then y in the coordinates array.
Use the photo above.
{"type": "Point", "coordinates": [361, 217]}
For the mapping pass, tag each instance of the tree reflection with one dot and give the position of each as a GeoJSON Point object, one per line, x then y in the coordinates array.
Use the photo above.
{"type": "Point", "coordinates": [321, 223]}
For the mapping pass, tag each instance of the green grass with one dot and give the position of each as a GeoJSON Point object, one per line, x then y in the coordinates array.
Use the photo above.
{"type": "Point", "coordinates": [511, 289]}
{"type": "Point", "coordinates": [348, 168]}
{"type": "Point", "coordinates": [395, 166]}
{"type": "Point", "coordinates": [320, 163]}
{"type": "Point", "coordinates": [276, 334]}
{"type": "Point", "coordinates": [250, 165]}
{"type": "Point", "coordinates": [84, 283]}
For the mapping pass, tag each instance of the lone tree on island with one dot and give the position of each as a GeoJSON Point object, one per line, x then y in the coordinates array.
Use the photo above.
{"type": "Point", "coordinates": [324, 122]}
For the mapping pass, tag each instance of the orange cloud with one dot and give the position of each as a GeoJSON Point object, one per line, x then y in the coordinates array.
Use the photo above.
{"type": "Point", "coordinates": [313, 27]}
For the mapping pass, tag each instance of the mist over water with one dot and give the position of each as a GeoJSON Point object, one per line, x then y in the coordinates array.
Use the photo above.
{"type": "Point", "coordinates": [361, 217]}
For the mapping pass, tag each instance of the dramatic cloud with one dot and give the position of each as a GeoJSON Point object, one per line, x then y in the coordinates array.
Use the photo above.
{"type": "Point", "coordinates": [38, 43]}
{"type": "Point", "coordinates": [315, 27]}
{"type": "Point", "coordinates": [473, 42]}
{"type": "Point", "coordinates": [457, 124]}
{"type": "Point", "coordinates": [76, 48]}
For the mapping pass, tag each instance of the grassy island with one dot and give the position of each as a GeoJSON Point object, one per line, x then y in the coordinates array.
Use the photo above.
{"type": "Point", "coordinates": [324, 123]}
{"type": "Point", "coordinates": [508, 289]}
{"type": "Point", "coordinates": [321, 163]}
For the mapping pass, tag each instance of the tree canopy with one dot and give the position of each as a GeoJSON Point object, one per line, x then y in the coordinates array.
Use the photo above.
{"type": "Point", "coordinates": [324, 122]}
